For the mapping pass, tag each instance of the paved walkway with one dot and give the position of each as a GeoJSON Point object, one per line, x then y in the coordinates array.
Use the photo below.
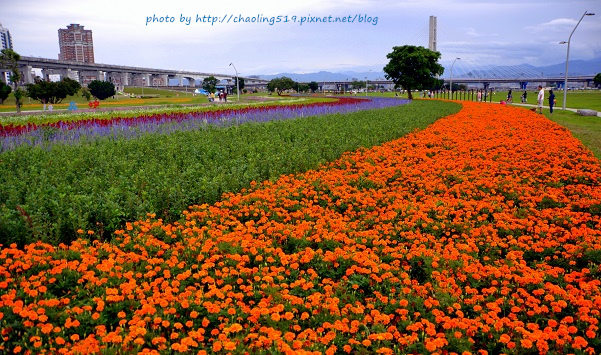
{"type": "Point", "coordinates": [547, 107]}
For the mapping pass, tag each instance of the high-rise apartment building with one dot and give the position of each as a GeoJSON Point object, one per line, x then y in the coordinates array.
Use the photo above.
{"type": "Point", "coordinates": [76, 44]}
{"type": "Point", "coordinates": [5, 39]}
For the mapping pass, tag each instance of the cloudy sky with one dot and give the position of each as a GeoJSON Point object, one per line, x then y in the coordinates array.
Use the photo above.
{"type": "Point", "coordinates": [480, 32]}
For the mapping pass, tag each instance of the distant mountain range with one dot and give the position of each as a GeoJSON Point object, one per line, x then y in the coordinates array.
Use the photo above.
{"type": "Point", "coordinates": [576, 67]}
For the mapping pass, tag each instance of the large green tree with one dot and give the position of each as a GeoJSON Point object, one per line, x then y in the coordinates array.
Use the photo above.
{"type": "Point", "coordinates": [313, 86]}
{"type": "Point", "coordinates": [4, 92]}
{"type": "Point", "coordinates": [101, 89]}
{"type": "Point", "coordinates": [9, 59]}
{"type": "Point", "coordinates": [597, 79]}
{"type": "Point", "coordinates": [48, 92]}
{"type": "Point", "coordinates": [210, 84]}
{"type": "Point", "coordinates": [279, 85]}
{"type": "Point", "coordinates": [358, 84]}
{"type": "Point", "coordinates": [413, 67]}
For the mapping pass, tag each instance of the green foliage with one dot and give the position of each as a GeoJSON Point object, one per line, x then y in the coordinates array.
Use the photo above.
{"type": "Point", "coordinates": [52, 92]}
{"type": "Point", "coordinates": [241, 83]}
{"type": "Point", "coordinates": [358, 84]}
{"type": "Point", "coordinates": [303, 87]}
{"type": "Point", "coordinates": [48, 194]}
{"type": "Point", "coordinates": [210, 84]}
{"type": "Point", "coordinates": [101, 89]}
{"type": "Point", "coordinates": [597, 79]}
{"type": "Point", "coordinates": [9, 59]}
{"type": "Point", "coordinates": [19, 95]}
{"type": "Point", "coordinates": [313, 86]}
{"type": "Point", "coordinates": [85, 92]}
{"type": "Point", "coordinates": [4, 91]}
{"type": "Point", "coordinates": [413, 67]}
{"type": "Point", "coordinates": [279, 85]}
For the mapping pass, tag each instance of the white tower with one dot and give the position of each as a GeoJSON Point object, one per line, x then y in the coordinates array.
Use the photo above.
{"type": "Point", "coordinates": [432, 39]}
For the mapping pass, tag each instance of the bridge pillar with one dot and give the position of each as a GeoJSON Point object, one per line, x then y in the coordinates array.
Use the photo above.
{"type": "Point", "coordinates": [125, 79]}
{"type": "Point", "coordinates": [191, 81]}
{"type": "Point", "coordinates": [146, 80]}
{"type": "Point", "coordinates": [28, 77]}
{"type": "Point", "coordinates": [142, 80]}
{"type": "Point", "coordinates": [523, 85]}
{"type": "Point", "coordinates": [88, 76]}
{"type": "Point", "coordinates": [587, 83]}
{"type": "Point", "coordinates": [68, 73]}
{"type": "Point", "coordinates": [46, 74]}
{"type": "Point", "coordinates": [116, 78]}
{"type": "Point", "coordinates": [159, 79]}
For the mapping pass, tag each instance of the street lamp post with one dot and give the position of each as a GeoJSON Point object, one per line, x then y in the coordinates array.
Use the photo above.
{"type": "Point", "coordinates": [451, 78]}
{"type": "Point", "coordinates": [237, 84]}
{"type": "Point", "coordinates": [366, 81]}
{"type": "Point", "coordinates": [565, 81]}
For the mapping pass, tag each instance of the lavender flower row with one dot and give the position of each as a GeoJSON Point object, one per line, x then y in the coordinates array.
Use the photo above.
{"type": "Point", "coordinates": [47, 137]}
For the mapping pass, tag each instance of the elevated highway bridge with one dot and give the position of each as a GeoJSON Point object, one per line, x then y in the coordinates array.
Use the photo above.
{"type": "Point", "coordinates": [485, 82]}
{"type": "Point", "coordinates": [120, 75]}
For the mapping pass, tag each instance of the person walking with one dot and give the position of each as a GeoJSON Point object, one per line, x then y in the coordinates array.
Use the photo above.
{"type": "Point", "coordinates": [551, 100]}
{"type": "Point", "coordinates": [540, 99]}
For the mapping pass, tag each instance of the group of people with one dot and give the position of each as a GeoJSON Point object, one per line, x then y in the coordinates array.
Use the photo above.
{"type": "Point", "coordinates": [222, 96]}
{"type": "Point", "coordinates": [540, 100]}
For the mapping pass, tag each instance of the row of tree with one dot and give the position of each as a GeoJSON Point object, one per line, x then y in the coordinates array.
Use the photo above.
{"type": "Point", "coordinates": [51, 92]}
{"type": "Point", "coordinates": [46, 92]}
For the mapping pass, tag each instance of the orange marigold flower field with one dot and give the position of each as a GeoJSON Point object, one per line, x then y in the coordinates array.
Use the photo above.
{"type": "Point", "coordinates": [478, 235]}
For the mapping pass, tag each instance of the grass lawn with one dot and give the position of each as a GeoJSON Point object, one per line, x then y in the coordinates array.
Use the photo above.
{"type": "Point", "coordinates": [585, 128]}
{"type": "Point", "coordinates": [585, 99]}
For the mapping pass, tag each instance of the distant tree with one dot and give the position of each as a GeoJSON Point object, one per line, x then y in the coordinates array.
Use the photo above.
{"type": "Point", "coordinates": [438, 84]}
{"type": "Point", "coordinates": [597, 79]}
{"type": "Point", "coordinates": [101, 89]}
{"type": "Point", "coordinates": [304, 87]}
{"type": "Point", "coordinates": [85, 92]}
{"type": "Point", "coordinates": [4, 92]}
{"type": "Point", "coordinates": [357, 84]}
{"type": "Point", "coordinates": [9, 59]}
{"type": "Point", "coordinates": [240, 84]}
{"type": "Point", "coordinates": [48, 92]}
{"type": "Point", "coordinates": [279, 85]}
{"type": "Point", "coordinates": [413, 68]}
{"type": "Point", "coordinates": [313, 86]}
{"type": "Point", "coordinates": [210, 84]}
